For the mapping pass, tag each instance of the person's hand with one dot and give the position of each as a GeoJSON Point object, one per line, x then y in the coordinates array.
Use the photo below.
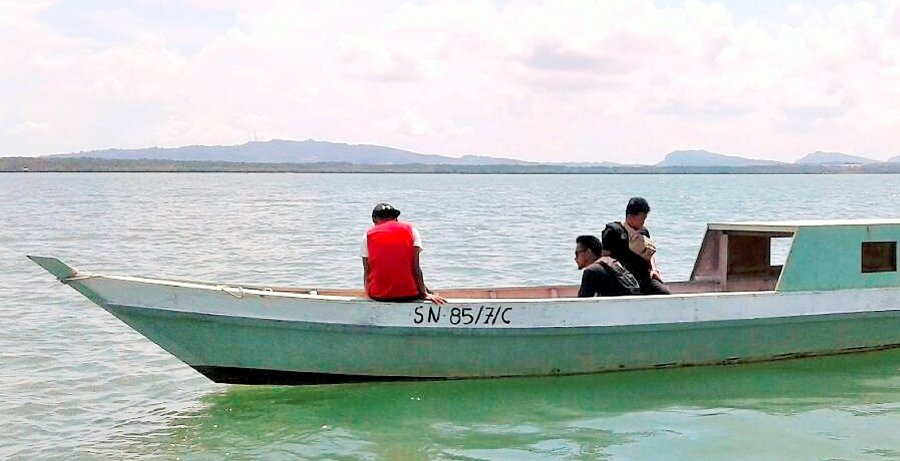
{"type": "Point", "coordinates": [654, 274]}
{"type": "Point", "coordinates": [437, 299]}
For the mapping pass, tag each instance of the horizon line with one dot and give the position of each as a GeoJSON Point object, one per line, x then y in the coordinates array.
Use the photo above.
{"type": "Point", "coordinates": [888, 159]}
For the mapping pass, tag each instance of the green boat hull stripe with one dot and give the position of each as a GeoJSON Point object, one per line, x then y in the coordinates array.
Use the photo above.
{"type": "Point", "coordinates": [203, 340]}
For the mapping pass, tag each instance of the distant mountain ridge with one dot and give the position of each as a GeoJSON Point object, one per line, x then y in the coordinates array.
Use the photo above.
{"type": "Point", "coordinates": [312, 151]}
{"type": "Point", "coordinates": [835, 158]}
{"type": "Point", "coordinates": [88, 164]}
{"type": "Point", "coordinates": [702, 158]}
{"type": "Point", "coordinates": [284, 151]}
{"type": "Point", "coordinates": [309, 151]}
{"type": "Point", "coordinates": [706, 158]}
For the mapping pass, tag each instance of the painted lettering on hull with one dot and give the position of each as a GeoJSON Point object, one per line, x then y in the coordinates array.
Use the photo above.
{"type": "Point", "coordinates": [462, 316]}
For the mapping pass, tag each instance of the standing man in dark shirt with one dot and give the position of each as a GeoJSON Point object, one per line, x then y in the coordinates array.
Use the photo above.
{"type": "Point", "coordinates": [630, 243]}
{"type": "Point", "coordinates": [603, 276]}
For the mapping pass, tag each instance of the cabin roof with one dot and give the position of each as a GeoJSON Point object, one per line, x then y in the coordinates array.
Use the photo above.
{"type": "Point", "coordinates": [792, 226]}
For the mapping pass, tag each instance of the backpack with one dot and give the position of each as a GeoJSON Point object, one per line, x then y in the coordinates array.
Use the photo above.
{"type": "Point", "coordinates": [638, 243]}
{"type": "Point", "coordinates": [627, 284]}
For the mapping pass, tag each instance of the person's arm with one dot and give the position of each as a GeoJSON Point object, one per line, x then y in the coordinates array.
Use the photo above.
{"type": "Point", "coordinates": [417, 273]}
{"type": "Point", "coordinates": [424, 292]}
{"type": "Point", "coordinates": [365, 262]}
{"type": "Point", "coordinates": [654, 269]}
{"type": "Point", "coordinates": [364, 254]}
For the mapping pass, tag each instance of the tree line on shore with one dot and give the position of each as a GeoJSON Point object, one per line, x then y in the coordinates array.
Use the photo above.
{"type": "Point", "coordinates": [87, 164]}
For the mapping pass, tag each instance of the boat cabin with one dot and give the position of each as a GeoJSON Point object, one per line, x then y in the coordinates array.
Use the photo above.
{"type": "Point", "coordinates": [822, 256]}
{"type": "Point", "coordinates": [737, 257]}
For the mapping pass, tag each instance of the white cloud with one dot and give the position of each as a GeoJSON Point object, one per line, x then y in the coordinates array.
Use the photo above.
{"type": "Point", "coordinates": [29, 127]}
{"type": "Point", "coordinates": [582, 80]}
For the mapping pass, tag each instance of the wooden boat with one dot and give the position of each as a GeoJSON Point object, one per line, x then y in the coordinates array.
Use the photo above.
{"type": "Point", "coordinates": [837, 292]}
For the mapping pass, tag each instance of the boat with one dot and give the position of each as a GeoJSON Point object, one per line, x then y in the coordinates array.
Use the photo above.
{"type": "Point", "coordinates": [837, 292]}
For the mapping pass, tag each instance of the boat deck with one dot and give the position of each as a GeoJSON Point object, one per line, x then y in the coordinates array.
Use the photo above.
{"type": "Point", "coordinates": [550, 292]}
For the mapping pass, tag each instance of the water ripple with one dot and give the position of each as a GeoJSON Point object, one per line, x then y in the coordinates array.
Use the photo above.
{"type": "Point", "coordinates": [76, 383]}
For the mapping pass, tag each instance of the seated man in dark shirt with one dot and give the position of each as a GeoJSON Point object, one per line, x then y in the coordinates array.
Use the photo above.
{"type": "Point", "coordinates": [603, 276]}
{"type": "Point", "coordinates": [629, 242]}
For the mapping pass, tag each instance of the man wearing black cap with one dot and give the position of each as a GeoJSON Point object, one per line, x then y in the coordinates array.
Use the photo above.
{"type": "Point", "coordinates": [630, 243]}
{"type": "Point", "coordinates": [390, 254]}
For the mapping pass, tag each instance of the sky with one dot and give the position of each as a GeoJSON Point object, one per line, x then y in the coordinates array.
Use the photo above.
{"type": "Point", "coordinates": [574, 80]}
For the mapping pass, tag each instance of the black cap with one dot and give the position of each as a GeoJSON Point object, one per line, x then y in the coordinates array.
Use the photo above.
{"type": "Point", "coordinates": [637, 205]}
{"type": "Point", "coordinates": [384, 211]}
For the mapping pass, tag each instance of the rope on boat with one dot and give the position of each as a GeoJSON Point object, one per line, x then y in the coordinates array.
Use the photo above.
{"type": "Point", "coordinates": [74, 278]}
{"type": "Point", "coordinates": [229, 290]}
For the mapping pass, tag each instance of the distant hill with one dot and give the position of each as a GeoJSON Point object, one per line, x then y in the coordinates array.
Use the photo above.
{"type": "Point", "coordinates": [318, 152]}
{"type": "Point", "coordinates": [704, 158]}
{"type": "Point", "coordinates": [589, 164]}
{"type": "Point", "coordinates": [30, 165]}
{"type": "Point", "coordinates": [483, 160]}
{"type": "Point", "coordinates": [283, 151]}
{"type": "Point", "coordinates": [834, 158]}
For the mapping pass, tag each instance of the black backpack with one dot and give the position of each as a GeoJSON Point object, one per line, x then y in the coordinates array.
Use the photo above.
{"type": "Point", "coordinates": [627, 284]}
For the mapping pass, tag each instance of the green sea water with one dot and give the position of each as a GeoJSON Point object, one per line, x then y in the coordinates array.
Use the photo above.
{"type": "Point", "coordinates": [76, 383]}
{"type": "Point", "coordinates": [831, 408]}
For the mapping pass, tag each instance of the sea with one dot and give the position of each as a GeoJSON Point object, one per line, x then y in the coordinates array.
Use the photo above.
{"type": "Point", "coordinates": [78, 384]}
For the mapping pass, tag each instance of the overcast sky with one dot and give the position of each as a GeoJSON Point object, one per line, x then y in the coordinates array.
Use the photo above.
{"type": "Point", "coordinates": [623, 81]}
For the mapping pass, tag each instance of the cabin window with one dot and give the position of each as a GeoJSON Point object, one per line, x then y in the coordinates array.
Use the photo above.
{"type": "Point", "coordinates": [757, 255]}
{"type": "Point", "coordinates": [879, 257]}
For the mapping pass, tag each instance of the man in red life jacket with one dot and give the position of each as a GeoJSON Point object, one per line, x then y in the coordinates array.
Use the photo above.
{"type": "Point", "coordinates": [390, 255]}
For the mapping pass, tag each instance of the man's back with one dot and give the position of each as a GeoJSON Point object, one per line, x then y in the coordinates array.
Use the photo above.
{"type": "Point", "coordinates": [606, 277]}
{"type": "Point", "coordinates": [615, 240]}
{"type": "Point", "coordinates": [391, 253]}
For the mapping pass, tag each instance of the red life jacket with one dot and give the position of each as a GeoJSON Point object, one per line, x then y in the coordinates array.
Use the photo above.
{"type": "Point", "coordinates": [391, 253]}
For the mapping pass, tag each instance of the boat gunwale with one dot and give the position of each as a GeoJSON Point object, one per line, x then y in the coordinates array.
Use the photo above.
{"type": "Point", "coordinates": [546, 302]}
{"type": "Point", "coordinates": [238, 290]}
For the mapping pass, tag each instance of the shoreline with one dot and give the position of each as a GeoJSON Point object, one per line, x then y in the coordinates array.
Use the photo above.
{"type": "Point", "coordinates": [95, 165]}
